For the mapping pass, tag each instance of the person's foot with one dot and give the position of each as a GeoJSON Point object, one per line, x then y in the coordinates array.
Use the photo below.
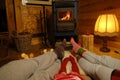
{"type": "Point", "coordinates": [59, 50]}
{"type": "Point", "coordinates": [77, 49]}
{"type": "Point", "coordinates": [76, 46]}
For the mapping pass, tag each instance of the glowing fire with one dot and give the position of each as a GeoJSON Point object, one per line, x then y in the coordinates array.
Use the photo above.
{"type": "Point", "coordinates": [67, 16]}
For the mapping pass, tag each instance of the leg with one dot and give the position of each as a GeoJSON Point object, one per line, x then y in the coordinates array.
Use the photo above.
{"type": "Point", "coordinates": [18, 70]}
{"type": "Point", "coordinates": [96, 71]}
{"type": "Point", "coordinates": [104, 60]}
{"type": "Point", "coordinates": [22, 69]}
{"type": "Point", "coordinates": [62, 71]}
{"type": "Point", "coordinates": [46, 60]}
{"type": "Point", "coordinates": [74, 65]}
{"type": "Point", "coordinates": [47, 74]}
{"type": "Point", "coordinates": [63, 65]}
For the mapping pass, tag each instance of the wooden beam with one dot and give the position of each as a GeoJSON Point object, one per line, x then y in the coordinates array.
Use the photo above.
{"type": "Point", "coordinates": [10, 16]}
{"type": "Point", "coordinates": [18, 16]}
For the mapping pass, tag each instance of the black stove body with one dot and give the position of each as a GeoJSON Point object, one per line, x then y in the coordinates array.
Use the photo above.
{"type": "Point", "coordinates": [65, 19]}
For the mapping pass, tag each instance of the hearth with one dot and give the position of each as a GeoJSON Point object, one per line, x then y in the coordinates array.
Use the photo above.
{"type": "Point", "coordinates": [65, 19]}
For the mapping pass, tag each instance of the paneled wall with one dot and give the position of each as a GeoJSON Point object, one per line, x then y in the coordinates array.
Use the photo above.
{"type": "Point", "coordinates": [26, 16]}
{"type": "Point", "coordinates": [89, 11]}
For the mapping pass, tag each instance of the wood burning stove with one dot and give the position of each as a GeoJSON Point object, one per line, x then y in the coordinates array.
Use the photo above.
{"type": "Point", "coordinates": [65, 18]}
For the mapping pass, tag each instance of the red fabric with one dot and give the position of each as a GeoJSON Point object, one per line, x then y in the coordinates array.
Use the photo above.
{"type": "Point", "coordinates": [116, 75]}
{"type": "Point", "coordinates": [71, 76]}
{"type": "Point", "coordinates": [63, 65]}
{"type": "Point", "coordinates": [115, 78]}
{"type": "Point", "coordinates": [74, 65]}
{"type": "Point", "coordinates": [74, 75]}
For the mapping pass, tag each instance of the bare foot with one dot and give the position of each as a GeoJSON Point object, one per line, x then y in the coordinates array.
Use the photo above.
{"type": "Point", "coordinates": [76, 46]}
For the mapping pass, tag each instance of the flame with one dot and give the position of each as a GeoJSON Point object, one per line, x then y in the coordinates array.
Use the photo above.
{"type": "Point", "coordinates": [67, 16]}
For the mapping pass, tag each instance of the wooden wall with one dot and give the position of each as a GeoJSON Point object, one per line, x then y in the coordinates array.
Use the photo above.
{"type": "Point", "coordinates": [88, 11]}
{"type": "Point", "coordinates": [25, 16]}
{"type": "Point", "coordinates": [10, 16]}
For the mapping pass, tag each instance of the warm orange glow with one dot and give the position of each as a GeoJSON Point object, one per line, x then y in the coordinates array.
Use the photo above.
{"type": "Point", "coordinates": [67, 16]}
{"type": "Point", "coordinates": [106, 25]}
{"type": "Point", "coordinates": [27, 56]}
{"type": "Point", "coordinates": [45, 50]}
{"type": "Point", "coordinates": [31, 55]}
{"type": "Point", "coordinates": [24, 56]}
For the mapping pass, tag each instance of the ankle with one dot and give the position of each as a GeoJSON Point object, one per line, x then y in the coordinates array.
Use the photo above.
{"type": "Point", "coordinates": [81, 51]}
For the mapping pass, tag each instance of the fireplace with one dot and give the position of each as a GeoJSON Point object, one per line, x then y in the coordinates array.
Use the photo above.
{"type": "Point", "coordinates": [65, 19]}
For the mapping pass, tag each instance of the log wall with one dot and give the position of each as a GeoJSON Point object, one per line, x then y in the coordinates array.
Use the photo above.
{"type": "Point", "coordinates": [88, 11]}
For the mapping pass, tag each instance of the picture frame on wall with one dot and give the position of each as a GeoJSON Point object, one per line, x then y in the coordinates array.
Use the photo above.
{"type": "Point", "coordinates": [42, 2]}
